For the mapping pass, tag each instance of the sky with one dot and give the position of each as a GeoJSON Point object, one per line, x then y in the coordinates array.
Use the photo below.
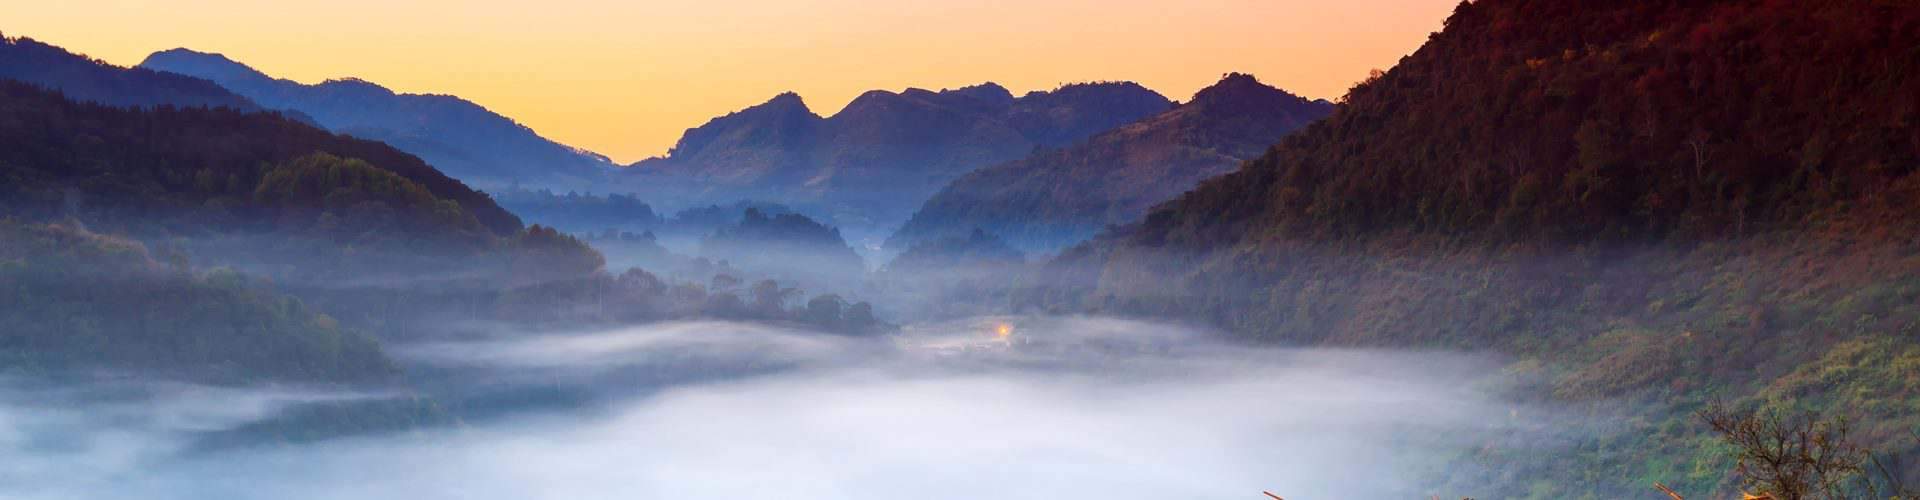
{"type": "Point", "coordinates": [626, 78]}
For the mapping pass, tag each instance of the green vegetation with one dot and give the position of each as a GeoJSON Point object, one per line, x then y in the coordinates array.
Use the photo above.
{"type": "Point", "coordinates": [1649, 205]}
{"type": "Point", "coordinates": [1803, 457]}
{"type": "Point", "coordinates": [81, 300]}
{"type": "Point", "coordinates": [192, 171]}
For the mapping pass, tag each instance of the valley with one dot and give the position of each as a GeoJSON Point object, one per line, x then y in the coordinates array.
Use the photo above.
{"type": "Point", "coordinates": [1559, 249]}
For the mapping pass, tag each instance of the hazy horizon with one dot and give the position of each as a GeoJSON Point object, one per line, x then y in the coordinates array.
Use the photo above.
{"type": "Point", "coordinates": [639, 75]}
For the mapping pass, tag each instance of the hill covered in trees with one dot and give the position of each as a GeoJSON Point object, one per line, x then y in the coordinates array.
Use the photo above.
{"type": "Point", "coordinates": [1059, 197]}
{"type": "Point", "coordinates": [885, 152]}
{"type": "Point", "coordinates": [61, 283]}
{"type": "Point", "coordinates": [196, 171]}
{"type": "Point", "coordinates": [1649, 205]}
{"type": "Point", "coordinates": [787, 245]}
{"type": "Point", "coordinates": [576, 212]}
{"type": "Point", "coordinates": [459, 137]}
{"type": "Point", "coordinates": [88, 187]}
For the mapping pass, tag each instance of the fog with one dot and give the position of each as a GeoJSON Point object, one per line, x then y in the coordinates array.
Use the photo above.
{"type": "Point", "coordinates": [995, 407]}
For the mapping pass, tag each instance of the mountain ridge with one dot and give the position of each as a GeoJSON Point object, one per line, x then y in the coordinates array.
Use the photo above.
{"type": "Point", "coordinates": [459, 136]}
{"type": "Point", "coordinates": [84, 78]}
{"type": "Point", "coordinates": [1059, 197]}
{"type": "Point", "coordinates": [885, 150]}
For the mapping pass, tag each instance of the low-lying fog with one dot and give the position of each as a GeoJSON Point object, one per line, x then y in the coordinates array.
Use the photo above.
{"type": "Point", "coordinates": [1003, 408]}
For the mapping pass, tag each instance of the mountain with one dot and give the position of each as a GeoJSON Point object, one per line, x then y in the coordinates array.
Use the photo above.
{"type": "Point", "coordinates": [461, 138]}
{"type": "Point", "coordinates": [86, 79]}
{"type": "Point", "coordinates": [787, 246]}
{"type": "Point", "coordinates": [885, 151]}
{"type": "Point", "coordinates": [1056, 198]}
{"type": "Point", "coordinates": [577, 213]}
{"type": "Point", "coordinates": [62, 282]}
{"type": "Point", "coordinates": [135, 169]}
{"type": "Point", "coordinates": [1643, 206]}
{"type": "Point", "coordinates": [124, 224]}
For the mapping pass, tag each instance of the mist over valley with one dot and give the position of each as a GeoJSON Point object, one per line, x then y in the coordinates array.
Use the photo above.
{"type": "Point", "coordinates": [1557, 249]}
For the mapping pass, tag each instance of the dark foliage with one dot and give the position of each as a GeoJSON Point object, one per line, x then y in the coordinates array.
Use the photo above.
{"type": "Point", "coordinates": [577, 212]}
{"type": "Point", "coordinates": [1796, 457]}
{"type": "Point", "coordinates": [90, 80]}
{"type": "Point", "coordinates": [977, 248]}
{"type": "Point", "coordinates": [189, 168]}
{"type": "Point", "coordinates": [77, 300]}
{"type": "Point", "coordinates": [1639, 120]}
{"type": "Point", "coordinates": [704, 220]}
{"type": "Point", "coordinates": [1647, 204]}
{"type": "Point", "coordinates": [790, 246]}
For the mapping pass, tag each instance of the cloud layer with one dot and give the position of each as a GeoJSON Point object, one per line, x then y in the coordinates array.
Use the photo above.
{"type": "Point", "coordinates": [950, 411]}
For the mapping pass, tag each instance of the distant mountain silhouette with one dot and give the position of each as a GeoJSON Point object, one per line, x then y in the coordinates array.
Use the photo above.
{"type": "Point", "coordinates": [1059, 197]}
{"type": "Point", "coordinates": [956, 253]}
{"type": "Point", "coordinates": [82, 78]}
{"type": "Point", "coordinates": [459, 137]}
{"type": "Point", "coordinates": [885, 152]}
{"type": "Point", "coordinates": [788, 246]}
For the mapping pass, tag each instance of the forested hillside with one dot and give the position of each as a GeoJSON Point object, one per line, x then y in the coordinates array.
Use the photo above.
{"type": "Point", "coordinates": [86, 79]}
{"type": "Point", "coordinates": [118, 166]}
{"type": "Point", "coordinates": [788, 245]}
{"type": "Point", "coordinates": [61, 281]}
{"type": "Point", "coordinates": [1056, 198]}
{"type": "Point", "coordinates": [1649, 205]}
{"type": "Point", "coordinates": [87, 188]}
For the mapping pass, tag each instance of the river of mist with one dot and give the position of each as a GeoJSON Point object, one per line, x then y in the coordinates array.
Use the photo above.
{"type": "Point", "coordinates": [1008, 408]}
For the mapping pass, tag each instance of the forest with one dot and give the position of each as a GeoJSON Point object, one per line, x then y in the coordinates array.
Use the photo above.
{"type": "Point", "coordinates": [1653, 204]}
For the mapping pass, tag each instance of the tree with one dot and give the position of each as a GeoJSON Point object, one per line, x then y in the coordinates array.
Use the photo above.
{"type": "Point", "coordinates": [825, 310]}
{"type": "Point", "coordinates": [723, 283]}
{"type": "Point", "coordinates": [770, 299]}
{"type": "Point", "coordinates": [1798, 457]}
{"type": "Point", "coordinates": [859, 317]}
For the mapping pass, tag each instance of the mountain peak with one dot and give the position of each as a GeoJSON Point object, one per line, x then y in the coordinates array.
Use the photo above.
{"type": "Point", "coordinates": [787, 98]}
{"type": "Point", "coordinates": [1243, 90]}
{"type": "Point", "coordinates": [210, 65]}
{"type": "Point", "coordinates": [83, 78]}
{"type": "Point", "coordinates": [783, 103]}
{"type": "Point", "coordinates": [989, 92]}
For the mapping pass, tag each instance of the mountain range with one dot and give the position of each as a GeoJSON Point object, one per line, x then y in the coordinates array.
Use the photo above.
{"type": "Point", "coordinates": [885, 152]}
{"type": "Point", "coordinates": [126, 219]}
{"type": "Point", "coordinates": [461, 138]}
{"type": "Point", "coordinates": [1055, 198]}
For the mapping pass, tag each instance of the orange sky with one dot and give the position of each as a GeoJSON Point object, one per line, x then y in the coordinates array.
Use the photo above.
{"type": "Point", "coordinates": [625, 78]}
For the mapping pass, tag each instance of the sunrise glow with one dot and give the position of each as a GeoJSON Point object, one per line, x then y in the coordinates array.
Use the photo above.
{"type": "Point", "coordinates": [626, 78]}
